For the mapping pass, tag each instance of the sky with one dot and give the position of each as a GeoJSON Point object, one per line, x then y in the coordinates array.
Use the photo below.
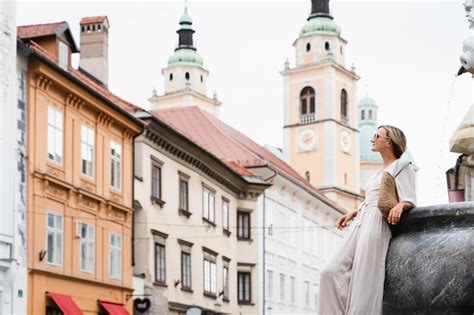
{"type": "Point", "coordinates": [406, 53]}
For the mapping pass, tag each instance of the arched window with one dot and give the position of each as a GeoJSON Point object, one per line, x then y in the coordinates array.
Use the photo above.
{"type": "Point", "coordinates": [326, 46]}
{"type": "Point", "coordinates": [171, 77]}
{"type": "Point", "coordinates": [307, 101]}
{"type": "Point", "coordinates": [344, 113]}
{"type": "Point", "coordinates": [370, 114]}
{"type": "Point", "coordinates": [307, 176]}
{"type": "Point", "coordinates": [187, 76]}
{"type": "Point", "coordinates": [308, 47]}
{"type": "Point", "coordinates": [362, 114]}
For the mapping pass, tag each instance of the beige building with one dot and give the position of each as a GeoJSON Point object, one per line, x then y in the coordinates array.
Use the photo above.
{"type": "Point", "coordinates": [321, 133]}
{"type": "Point", "coordinates": [79, 173]}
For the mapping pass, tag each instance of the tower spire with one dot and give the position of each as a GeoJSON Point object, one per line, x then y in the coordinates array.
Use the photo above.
{"type": "Point", "coordinates": [186, 30]}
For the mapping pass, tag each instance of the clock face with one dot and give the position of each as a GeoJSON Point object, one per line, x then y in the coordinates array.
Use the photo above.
{"type": "Point", "coordinates": [307, 140]}
{"type": "Point", "coordinates": [345, 141]}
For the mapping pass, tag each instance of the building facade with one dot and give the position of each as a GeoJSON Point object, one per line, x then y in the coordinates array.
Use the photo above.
{"type": "Point", "coordinates": [320, 130]}
{"type": "Point", "coordinates": [13, 70]}
{"type": "Point", "coordinates": [80, 156]}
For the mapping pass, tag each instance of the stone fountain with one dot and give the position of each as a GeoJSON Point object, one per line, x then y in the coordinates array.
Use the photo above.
{"type": "Point", "coordinates": [430, 261]}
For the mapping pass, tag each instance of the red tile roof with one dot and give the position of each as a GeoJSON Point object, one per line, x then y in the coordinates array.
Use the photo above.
{"type": "Point", "coordinates": [231, 146]}
{"type": "Point", "coordinates": [84, 79]}
{"type": "Point", "coordinates": [93, 19]}
{"type": "Point", "coordinates": [39, 30]}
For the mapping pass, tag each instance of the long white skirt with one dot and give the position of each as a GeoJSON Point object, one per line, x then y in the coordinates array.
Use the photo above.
{"type": "Point", "coordinates": [352, 280]}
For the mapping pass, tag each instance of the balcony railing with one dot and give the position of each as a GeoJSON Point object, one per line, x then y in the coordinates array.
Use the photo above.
{"type": "Point", "coordinates": [307, 119]}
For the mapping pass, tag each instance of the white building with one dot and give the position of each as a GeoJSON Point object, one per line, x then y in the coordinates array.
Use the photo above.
{"type": "Point", "coordinates": [13, 274]}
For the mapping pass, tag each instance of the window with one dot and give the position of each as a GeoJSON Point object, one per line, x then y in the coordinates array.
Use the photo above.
{"type": "Point", "coordinates": [55, 135]}
{"type": "Point", "coordinates": [115, 256]}
{"type": "Point", "coordinates": [86, 233]}
{"type": "Point", "coordinates": [115, 164]}
{"type": "Point", "coordinates": [315, 295]}
{"type": "Point", "coordinates": [306, 294]}
{"type": "Point", "coordinates": [243, 225]}
{"type": "Point", "coordinates": [54, 239]}
{"type": "Point", "coordinates": [307, 101]}
{"type": "Point", "coordinates": [244, 287]}
{"type": "Point", "coordinates": [225, 214]}
{"type": "Point", "coordinates": [293, 288]}
{"type": "Point", "coordinates": [187, 76]}
{"type": "Point", "coordinates": [156, 193]}
{"type": "Point", "coordinates": [225, 279]}
{"type": "Point", "coordinates": [370, 114]}
{"type": "Point", "coordinates": [308, 47]}
{"type": "Point", "coordinates": [344, 114]}
{"type": "Point", "coordinates": [63, 55]}
{"type": "Point", "coordinates": [362, 114]}
{"type": "Point", "coordinates": [326, 46]}
{"type": "Point", "coordinates": [282, 287]}
{"type": "Point", "coordinates": [50, 310]}
{"type": "Point", "coordinates": [307, 176]}
{"type": "Point", "coordinates": [186, 270]}
{"type": "Point", "coordinates": [209, 203]}
{"type": "Point", "coordinates": [160, 263]}
{"type": "Point", "coordinates": [270, 284]}
{"type": "Point", "coordinates": [340, 50]}
{"type": "Point", "coordinates": [87, 150]}
{"type": "Point", "coordinates": [210, 285]}
{"type": "Point", "coordinates": [183, 194]}
{"type": "Point", "coordinates": [171, 77]}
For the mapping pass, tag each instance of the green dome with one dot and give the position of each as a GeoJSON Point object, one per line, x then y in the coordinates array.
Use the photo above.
{"type": "Point", "coordinates": [367, 101]}
{"type": "Point", "coordinates": [185, 56]}
{"type": "Point", "coordinates": [320, 24]}
{"type": "Point", "coordinates": [366, 134]}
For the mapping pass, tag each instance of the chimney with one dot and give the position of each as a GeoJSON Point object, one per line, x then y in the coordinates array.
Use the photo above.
{"type": "Point", "coordinates": [94, 43]}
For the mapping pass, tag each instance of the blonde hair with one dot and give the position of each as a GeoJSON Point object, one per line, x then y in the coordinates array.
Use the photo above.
{"type": "Point", "coordinates": [399, 141]}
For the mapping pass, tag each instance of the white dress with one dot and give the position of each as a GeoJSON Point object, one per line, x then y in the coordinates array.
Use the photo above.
{"type": "Point", "coordinates": [352, 280]}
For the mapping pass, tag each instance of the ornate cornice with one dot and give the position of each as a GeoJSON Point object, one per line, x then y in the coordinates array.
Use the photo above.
{"type": "Point", "coordinates": [43, 82]}
{"type": "Point", "coordinates": [74, 101]}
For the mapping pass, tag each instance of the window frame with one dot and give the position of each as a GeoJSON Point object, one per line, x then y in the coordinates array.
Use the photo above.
{"type": "Point", "coordinates": [58, 259]}
{"type": "Point", "coordinates": [307, 100]}
{"type": "Point", "coordinates": [226, 216]}
{"type": "Point", "coordinates": [206, 210]}
{"type": "Point", "coordinates": [63, 55]}
{"type": "Point", "coordinates": [156, 194]}
{"type": "Point", "coordinates": [184, 284]}
{"type": "Point", "coordinates": [115, 164]}
{"type": "Point", "coordinates": [244, 300]}
{"type": "Point", "coordinates": [241, 235]}
{"type": "Point", "coordinates": [225, 279]}
{"type": "Point", "coordinates": [52, 132]}
{"type": "Point", "coordinates": [85, 145]}
{"type": "Point", "coordinates": [344, 105]}
{"type": "Point", "coordinates": [282, 288]}
{"type": "Point", "coordinates": [209, 272]}
{"type": "Point", "coordinates": [115, 255]}
{"type": "Point", "coordinates": [183, 200]}
{"type": "Point", "coordinates": [87, 241]}
{"type": "Point", "coordinates": [160, 262]}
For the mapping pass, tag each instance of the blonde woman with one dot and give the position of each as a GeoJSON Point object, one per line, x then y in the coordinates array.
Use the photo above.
{"type": "Point", "coordinates": [352, 280]}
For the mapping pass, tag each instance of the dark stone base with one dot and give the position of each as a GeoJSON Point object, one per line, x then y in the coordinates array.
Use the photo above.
{"type": "Point", "coordinates": [430, 262]}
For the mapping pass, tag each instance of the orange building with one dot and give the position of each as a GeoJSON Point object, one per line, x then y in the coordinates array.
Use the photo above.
{"type": "Point", "coordinates": [80, 158]}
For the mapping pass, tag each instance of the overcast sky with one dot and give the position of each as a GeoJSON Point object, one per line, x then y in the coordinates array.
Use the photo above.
{"type": "Point", "coordinates": [405, 52]}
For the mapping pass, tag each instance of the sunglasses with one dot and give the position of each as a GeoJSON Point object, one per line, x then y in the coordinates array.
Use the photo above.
{"type": "Point", "coordinates": [376, 136]}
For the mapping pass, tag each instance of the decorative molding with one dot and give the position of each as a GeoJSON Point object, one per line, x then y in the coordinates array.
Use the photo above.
{"type": "Point", "coordinates": [128, 134]}
{"type": "Point", "coordinates": [43, 82]}
{"type": "Point", "coordinates": [104, 119]}
{"type": "Point", "coordinates": [74, 101]}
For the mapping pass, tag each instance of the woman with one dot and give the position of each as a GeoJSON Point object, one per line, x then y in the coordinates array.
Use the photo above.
{"type": "Point", "coordinates": [352, 281]}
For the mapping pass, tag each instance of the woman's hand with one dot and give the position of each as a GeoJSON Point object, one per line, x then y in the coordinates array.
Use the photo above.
{"type": "Point", "coordinates": [341, 223]}
{"type": "Point", "coordinates": [396, 213]}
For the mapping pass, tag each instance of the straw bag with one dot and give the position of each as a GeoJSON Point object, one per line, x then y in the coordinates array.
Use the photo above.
{"type": "Point", "coordinates": [388, 196]}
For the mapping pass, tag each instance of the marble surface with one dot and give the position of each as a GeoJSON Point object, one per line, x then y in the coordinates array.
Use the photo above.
{"type": "Point", "coordinates": [430, 262]}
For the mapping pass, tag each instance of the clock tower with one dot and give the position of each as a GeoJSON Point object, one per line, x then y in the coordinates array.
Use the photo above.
{"type": "Point", "coordinates": [321, 137]}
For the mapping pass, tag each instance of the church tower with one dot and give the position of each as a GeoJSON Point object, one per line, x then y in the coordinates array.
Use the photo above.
{"type": "Point", "coordinates": [370, 161]}
{"type": "Point", "coordinates": [185, 78]}
{"type": "Point", "coordinates": [321, 138]}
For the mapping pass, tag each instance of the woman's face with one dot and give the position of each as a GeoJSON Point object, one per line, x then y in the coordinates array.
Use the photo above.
{"type": "Point", "coordinates": [380, 141]}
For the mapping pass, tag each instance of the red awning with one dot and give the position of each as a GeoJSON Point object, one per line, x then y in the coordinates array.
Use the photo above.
{"type": "Point", "coordinates": [114, 308]}
{"type": "Point", "coordinates": [65, 303]}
